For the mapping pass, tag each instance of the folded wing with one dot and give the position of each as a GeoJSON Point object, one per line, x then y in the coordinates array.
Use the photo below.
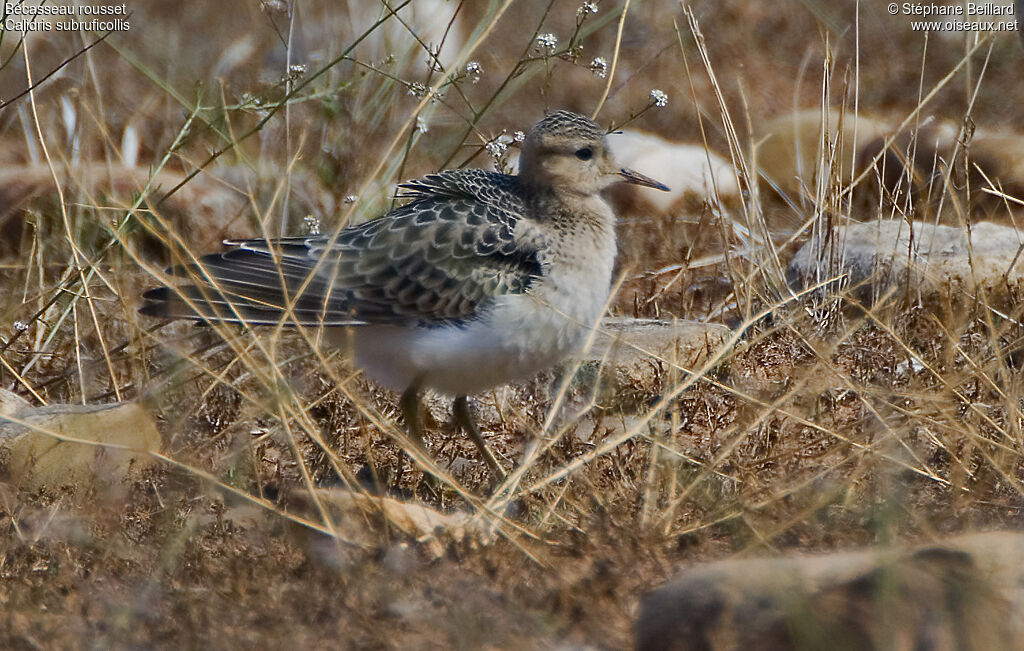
{"type": "Point", "coordinates": [441, 258]}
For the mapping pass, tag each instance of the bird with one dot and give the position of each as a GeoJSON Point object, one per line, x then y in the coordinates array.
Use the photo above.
{"type": "Point", "coordinates": [480, 279]}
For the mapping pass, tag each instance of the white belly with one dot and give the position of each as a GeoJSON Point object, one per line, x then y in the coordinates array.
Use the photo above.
{"type": "Point", "coordinates": [522, 335]}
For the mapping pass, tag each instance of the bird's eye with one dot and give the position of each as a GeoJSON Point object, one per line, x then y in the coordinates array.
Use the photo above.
{"type": "Point", "coordinates": [584, 154]}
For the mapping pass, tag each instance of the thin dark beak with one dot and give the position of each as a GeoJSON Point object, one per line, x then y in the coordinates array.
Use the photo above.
{"type": "Point", "coordinates": [636, 178]}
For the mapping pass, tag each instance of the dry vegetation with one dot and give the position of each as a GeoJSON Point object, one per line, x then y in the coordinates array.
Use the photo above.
{"type": "Point", "coordinates": [825, 426]}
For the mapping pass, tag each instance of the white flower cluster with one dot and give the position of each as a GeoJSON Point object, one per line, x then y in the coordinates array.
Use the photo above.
{"type": "Point", "coordinates": [547, 42]}
{"type": "Point", "coordinates": [659, 98]}
{"type": "Point", "coordinates": [417, 90]}
{"type": "Point", "coordinates": [312, 225]}
{"type": "Point", "coordinates": [496, 149]}
{"type": "Point", "coordinates": [599, 66]}
{"type": "Point", "coordinates": [586, 8]}
{"type": "Point", "coordinates": [421, 125]}
{"type": "Point", "coordinates": [474, 71]}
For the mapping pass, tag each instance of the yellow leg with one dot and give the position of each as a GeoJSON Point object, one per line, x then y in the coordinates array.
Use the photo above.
{"type": "Point", "coordinates": [410, 404]}
{"type": "Point", "coordinates": [465, 421]}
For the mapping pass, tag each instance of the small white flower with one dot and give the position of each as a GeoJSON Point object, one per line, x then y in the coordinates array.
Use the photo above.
{"type": "Point", "coordinates": [519, 136]}
{"type": "Point", "coordinates": [599, 66]}
{"type": "Point", "coordinates": [416, 89]}
{"type": "Point", "coordinates": [547, 42]}
{"type": "Point", "coordinates": [474, 71]}
{"type": "Point", "coordinates": [297, 69]}
{"type": "Point", "coordinates": [312, 224]}
{"type": "Point", "coordinates": [496, 148]}
{"type": "Point", "coordinates": [350, 198]}
{"type": "Point", "coordinates": [421, 125]}
{"type": "Point", "coordinates": [20, 326]}
{"type": "Point", "coordinates": [586, 8]}
{"type": "Point", "coordinates": [659, 98]}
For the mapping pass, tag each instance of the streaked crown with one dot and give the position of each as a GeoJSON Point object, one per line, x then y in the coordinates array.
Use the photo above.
{"type": "Point", "coordinates": [567, 124]}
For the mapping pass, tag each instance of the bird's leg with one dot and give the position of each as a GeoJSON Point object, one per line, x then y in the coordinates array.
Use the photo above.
{"type": "Point", "coordinates": [464, 419]}
{"type": "Point", "coordinates": [410, 404]}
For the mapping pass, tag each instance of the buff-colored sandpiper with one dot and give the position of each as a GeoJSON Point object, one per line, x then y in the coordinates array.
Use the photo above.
{"type": "Point", "coordinates": [479, 280]}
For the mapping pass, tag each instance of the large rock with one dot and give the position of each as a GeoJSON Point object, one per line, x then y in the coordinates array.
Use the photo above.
{"type": "Point", "coordinates": [793, 155]}
{"type": "Point", "coordinates": [915, 259]}
{"type": "Point", "coordinates": [792, 150]}
{"type": "Point", "coordinates": [966, 593]}
{"type": "Point", "coordinates": [692, 173]}
{"type": "Point", "coordinates": [75, 445]}
{"type": "Point", "coordinates": [632, 360]}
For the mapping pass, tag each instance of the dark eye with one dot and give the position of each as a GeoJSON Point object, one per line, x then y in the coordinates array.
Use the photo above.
{"type": "Point", "coordinates": [584, 154]}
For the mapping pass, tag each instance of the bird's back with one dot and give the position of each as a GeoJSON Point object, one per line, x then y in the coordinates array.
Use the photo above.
{"type": "Point", "coordinates": [438, 259]}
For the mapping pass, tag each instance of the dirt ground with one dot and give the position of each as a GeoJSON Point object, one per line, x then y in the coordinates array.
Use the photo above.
{"type": "Point", "coordinates": [827, 426]}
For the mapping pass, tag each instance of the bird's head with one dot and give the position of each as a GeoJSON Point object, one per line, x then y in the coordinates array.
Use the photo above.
{"type": "Point", "coordinates": [568, 152]}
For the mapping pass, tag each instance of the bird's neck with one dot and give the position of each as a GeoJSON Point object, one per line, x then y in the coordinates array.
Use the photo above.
{"type": "Point", "coordinates": [563, 206]}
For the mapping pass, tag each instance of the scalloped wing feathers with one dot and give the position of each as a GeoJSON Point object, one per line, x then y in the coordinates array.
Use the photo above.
{"type": "Point", "coordinates": [462, 240]}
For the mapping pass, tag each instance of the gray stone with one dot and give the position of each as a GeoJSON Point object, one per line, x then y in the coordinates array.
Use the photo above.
{"type": "Point", "coordinates": [915, 259]}
{"type": "Point", "coordinates": [632, 361]}
{"type": "Point", "coordinates": [964, 593]}
{"type": "Point", "coordinates": [75, 445]}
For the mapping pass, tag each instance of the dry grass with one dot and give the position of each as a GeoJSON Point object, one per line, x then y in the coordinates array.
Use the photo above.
{"type": "Point", "coordinates": [827, 425]}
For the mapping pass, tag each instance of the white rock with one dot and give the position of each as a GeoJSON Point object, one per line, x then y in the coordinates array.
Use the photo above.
{"type": "Point", "coordinates": [920, 258]}
{"type": "Point", "coordinates": [690, 171]}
